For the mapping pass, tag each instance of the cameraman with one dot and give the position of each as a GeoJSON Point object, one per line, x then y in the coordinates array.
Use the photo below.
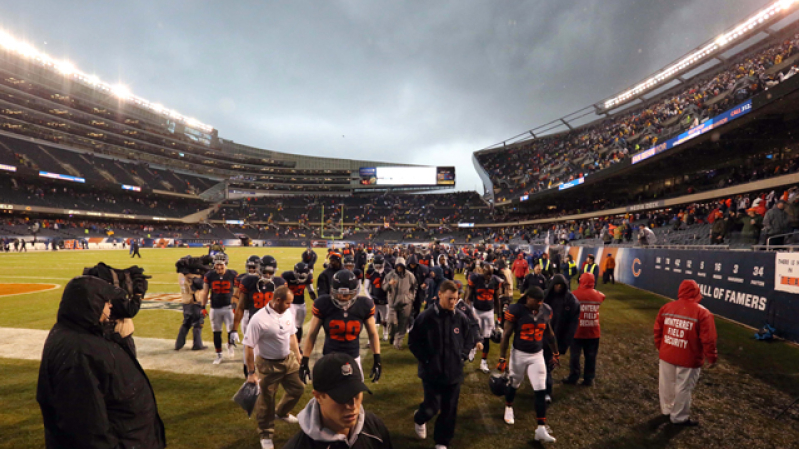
{"type": "Point", "coordinates": [192, 269]}
{"type": "Point", "coordinates": [132, 281]}
{"type": "Point", "coordinates": [83, 402]}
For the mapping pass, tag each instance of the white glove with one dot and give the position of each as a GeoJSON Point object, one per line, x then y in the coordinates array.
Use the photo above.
{"type": "Point", "coordinates": [234, 338]}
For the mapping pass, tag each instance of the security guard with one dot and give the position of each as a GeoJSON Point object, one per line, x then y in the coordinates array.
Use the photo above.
{"type": "Point", "coordinates": [546, 266]}
{"type": "Point", "coordinates": [571, 269]}
{"type": "Point", "coordinates": [590, 267]}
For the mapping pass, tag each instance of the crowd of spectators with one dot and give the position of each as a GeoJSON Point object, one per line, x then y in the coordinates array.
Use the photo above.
{"type": "Point", "coordinates": [13, 191]}
{"type": "Point", "coordinates": [546, 162]}
{"type": "Point", "coordinates": [391, 209]}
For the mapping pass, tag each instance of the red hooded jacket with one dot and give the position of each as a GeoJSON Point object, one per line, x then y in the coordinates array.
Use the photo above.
{"type": "Point", "coordinates": [520, 267]}
{"type": "Point", "coordinates": [685, 332]}
{"type": "Point", "coordinates": [590, 300]}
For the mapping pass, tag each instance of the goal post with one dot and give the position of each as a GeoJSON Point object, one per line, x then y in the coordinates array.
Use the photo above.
{"type": "Point", "coordinates": [341, 226]}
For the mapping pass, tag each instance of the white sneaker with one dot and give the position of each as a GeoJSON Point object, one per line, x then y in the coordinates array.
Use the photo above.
{"type": "Point", "coordinates": [291, 419]}
{"type": "Point", "coordinates": [230, 352]}
{"type": "Point", "coordinates": [385, 334]}
{"type": "Point", "coordinates": [509, 415]}
{"type": "Point", "coordinates": [471, 355]}
{"type": "Point", "coordinates": [543, 436]}
{"type": "Point", "coordinates": [421, 430]}
{"type": "Point", "coordinates": [440, 446]}
{"type": "Point", "coordinates": [548, 399]}
{"type": "Point", "coordinates": [268, 444]}
{"type": "Point", "coordinates": [218, 358]}
{"type": "Point", "coordinates": [484, 366]}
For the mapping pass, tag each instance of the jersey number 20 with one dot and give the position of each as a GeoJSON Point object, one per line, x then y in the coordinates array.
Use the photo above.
{"type": "Point", "coordinates": [341, 331]}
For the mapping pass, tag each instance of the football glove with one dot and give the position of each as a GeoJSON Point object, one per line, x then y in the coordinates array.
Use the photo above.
{"type": "Point", "coordinates": [204, 312]}
{"type": "Point", "coordinates": [502, 365]}
{"type": "Point", "coordinates": [555, 361]}
{"type": "Point", "coordinates": [377, 369]}
{"type": "Point", "coordinates": [233, 338]}
{"type": "Point", "coordinates": [305, 371]}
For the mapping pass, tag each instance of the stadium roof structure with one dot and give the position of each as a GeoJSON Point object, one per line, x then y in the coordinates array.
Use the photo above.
{"type": "Point", "coordinates": [718, 49]}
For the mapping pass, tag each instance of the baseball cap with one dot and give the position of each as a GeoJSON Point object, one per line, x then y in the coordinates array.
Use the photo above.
{"type": "Point", "coordinates": [338, 376]}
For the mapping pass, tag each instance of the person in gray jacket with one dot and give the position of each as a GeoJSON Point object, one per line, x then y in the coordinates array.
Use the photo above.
{"type": "Point", "coordinates": [400, 286]}
{"type": "Point", "coordinates": [775, 222]}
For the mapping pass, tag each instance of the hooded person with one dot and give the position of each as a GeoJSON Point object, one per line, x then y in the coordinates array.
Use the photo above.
{"type": "Point", "coordinates": [565, 319]}
{"type": "Point", "coordinates": [420, 272]}
{"type": "Point", "coordinates": [685, 336]}
{"type": "Point", "coordinates": [401, 287]}
{"type": "Point", "coordinates": [91, 390]}
{"type": "Point", "coordinates": [586, 339]}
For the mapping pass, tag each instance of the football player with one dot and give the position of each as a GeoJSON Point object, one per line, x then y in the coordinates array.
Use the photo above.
{"type": "Point", "coordinates": [255, 291]}
{"type": "Point", "coordinates": [298, 281]}
{"type": "Point", "coordinates": [374, 285]}
{"type": "Point", "coordinates": [220, 283]}
{"type": "Point", "coordinates": [481, 292]}
{"type": "Point", "coordinates": [529, 321]}
{"type": "Point", "coordinates": [325, 279]}
{"type": "Point", "coordinates": [343, 314]}
{"type": "Point", "coordinates": [349, 264]}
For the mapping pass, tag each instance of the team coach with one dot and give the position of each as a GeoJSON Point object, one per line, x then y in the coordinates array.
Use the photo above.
{"type": "Point", "coordinates": [441, 340]}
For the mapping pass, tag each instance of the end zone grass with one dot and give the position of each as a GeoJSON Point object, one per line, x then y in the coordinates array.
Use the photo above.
{"type": "Point", "coordinates": [735, 403]}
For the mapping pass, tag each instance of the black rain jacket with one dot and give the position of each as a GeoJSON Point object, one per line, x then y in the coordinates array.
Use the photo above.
{"type": "Point", "coordinates": [565, 312]}
{"type": "Point", "coordinates": [92, 392]}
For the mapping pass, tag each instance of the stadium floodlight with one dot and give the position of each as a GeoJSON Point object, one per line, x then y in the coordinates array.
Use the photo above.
{"type": "Point", "coordinates": [699, 56]}
{"type": "Point", "coordinates": [121, 91]}
{"type": "Point", "coordinates": [65, 67]}
{"type": "Point", "coordinates": [68, 70]}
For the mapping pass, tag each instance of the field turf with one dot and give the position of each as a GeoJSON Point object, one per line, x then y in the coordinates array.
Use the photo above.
{"type": "Point", "coordinates": [736, 402]}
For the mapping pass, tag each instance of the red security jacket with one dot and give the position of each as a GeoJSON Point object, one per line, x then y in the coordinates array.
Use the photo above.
{"type": "Point", "coordinates": [685, 332]}
{"type": "Point", "coordinates": [590, 300]}
{"type": "Point", "coordinates": [520, 268]}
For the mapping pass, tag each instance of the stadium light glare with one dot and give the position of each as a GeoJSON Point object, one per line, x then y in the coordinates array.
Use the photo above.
{"type": "Point", "coordinates": [700, 55]}
{"type": "Point", "coordinates": [67, 69]}
{"type": "Point", "coordinates": [121, 91]}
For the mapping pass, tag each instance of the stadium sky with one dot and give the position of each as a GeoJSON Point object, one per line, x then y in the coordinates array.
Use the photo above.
{"type": "Point", "coordinates": [413, 82]}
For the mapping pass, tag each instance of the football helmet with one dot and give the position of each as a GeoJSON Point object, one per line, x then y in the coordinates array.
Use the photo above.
{"type": "Point", "coordinates": [301, 272]}
{"type": "Point", "coordinates": [498, 384]}
{"type": "Point", "coordinates": [253, 264]}
{"type": "Point", "coordinates": [349, 263]}
{"type": "Point", "coordinates": [221, 258]}
{"type": "Point", "coordinates": [496, 335]}
{"type": "Point", "coordinates": [345, 283]}
{"type": "Point", "coordinates": [268, 265]}
{"type": "Point", "coordinates": [378, 262]}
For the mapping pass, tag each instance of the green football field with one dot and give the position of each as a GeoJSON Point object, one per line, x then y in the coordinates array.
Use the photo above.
{"type": "Point", "coordinates": [736, 402]}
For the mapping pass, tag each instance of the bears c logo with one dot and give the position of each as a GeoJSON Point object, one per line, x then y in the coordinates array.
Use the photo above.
{"type": "Point", "coordinates": [636, 267]}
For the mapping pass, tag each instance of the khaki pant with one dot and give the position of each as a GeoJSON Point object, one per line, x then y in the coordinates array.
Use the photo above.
{"type": "Point", "coordinates": [273, 373]}
{"type": "Point", "coordinates": [676, 385]}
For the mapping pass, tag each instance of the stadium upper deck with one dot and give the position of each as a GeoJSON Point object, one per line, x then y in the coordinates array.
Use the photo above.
{"type": "Point", "coordinates": [54, 103]}
{"type": "Point", "coordinates": [528, 163]}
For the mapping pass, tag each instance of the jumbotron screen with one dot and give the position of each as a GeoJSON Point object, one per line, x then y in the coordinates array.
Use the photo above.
{"type": "Point", "coordinates": [407, 176]}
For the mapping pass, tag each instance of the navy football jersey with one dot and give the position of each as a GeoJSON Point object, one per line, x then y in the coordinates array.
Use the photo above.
{"type": "Point", "coordinates": [448, 273]}
{"type": "Point", "coordinates": [297, 287]}
{"type": "Point", "coordinates": [482, 291]}
{"type": "Point", "coordinates": [376, 286]}
{"type": "Point", "coordinates": [343, 328]}
{"type": "Point", "coordinates": [221, 287]}
{"type": "Point", "coordinates": [528, 328]}
{"type": "Point", "coordinates": [256, 293]}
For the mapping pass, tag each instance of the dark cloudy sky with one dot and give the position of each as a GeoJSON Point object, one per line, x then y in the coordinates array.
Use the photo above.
{"type": "Point", "coordinates": [425, 82]}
